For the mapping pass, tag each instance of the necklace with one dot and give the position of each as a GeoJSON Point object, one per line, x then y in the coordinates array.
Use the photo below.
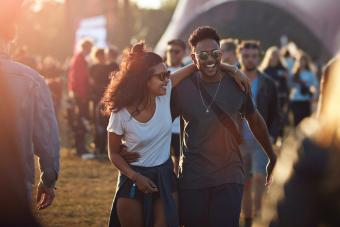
{"type": "Point", "coordinates": [207, 107]}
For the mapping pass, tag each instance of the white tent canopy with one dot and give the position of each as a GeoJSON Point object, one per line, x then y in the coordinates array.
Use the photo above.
{"type": "Point", "coordinates": [319, 17]}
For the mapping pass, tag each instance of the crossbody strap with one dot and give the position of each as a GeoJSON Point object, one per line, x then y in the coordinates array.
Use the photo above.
{"type": "Point", "coordinates": [223, 117]}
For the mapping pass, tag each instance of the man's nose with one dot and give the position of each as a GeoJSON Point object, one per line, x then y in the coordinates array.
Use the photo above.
{"type": "Point", "coordinates": [210, 59]}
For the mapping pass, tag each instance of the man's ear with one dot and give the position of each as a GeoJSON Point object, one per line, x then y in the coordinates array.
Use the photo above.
{"type": "Point", "coordinates": [193, 57]}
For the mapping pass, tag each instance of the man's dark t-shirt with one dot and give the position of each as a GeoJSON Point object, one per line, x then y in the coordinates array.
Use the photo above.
{"type": "Point", "coordinates": [211, 155]}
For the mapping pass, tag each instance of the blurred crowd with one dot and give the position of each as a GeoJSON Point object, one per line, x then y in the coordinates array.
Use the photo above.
{"type": "Point", "coordinates": [297, 100]}
{"type": "Point", "coordinates": [78, 84]}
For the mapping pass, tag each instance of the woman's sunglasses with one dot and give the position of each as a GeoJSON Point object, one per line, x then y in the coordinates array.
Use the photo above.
{"type": "Point", "coordinates": [163, 75]}
{"type": "Point", "coordinates": [204, 55]}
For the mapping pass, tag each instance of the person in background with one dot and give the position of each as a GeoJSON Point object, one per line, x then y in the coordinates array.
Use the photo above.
{"type": "Point", "coordinates": [175, 52]}
{"type": "Point", "coordinates": [78, 86]}
{"type": "Point", "coordinates": [229, 49]}
{"type": "Point", "coordinates": [99, 80]}
{"type": "Point", "coordinates": [304, 88]}
{"type": "Point", "coordinates": [52, 72]}
{"type": "Point", "coordinates": [22, 55]}
{"type": "Point", "coordinates": [308, 193]}
{"type": "Point", "coordinates": [99, 76]}
{"type": "Point", "coordinates": [112, 58]}
{"type": "Point", "coordinates": [288, 59]}
{"type": "Point", "coordinates": [273, 66]}
{"type": "Point", "coordinates": [265, 98]}
{"type": "Point", "coordinates": [34, 120]}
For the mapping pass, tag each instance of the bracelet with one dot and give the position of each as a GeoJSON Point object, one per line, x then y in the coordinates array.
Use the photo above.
{"type": "Point", "coordinates": [235, 69]}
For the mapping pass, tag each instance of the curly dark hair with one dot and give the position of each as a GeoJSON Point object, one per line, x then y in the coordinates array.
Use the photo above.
{"type": "Point", "coordinates": [128, 86]}
{"type": "Point", "coordinates": [202, 33]}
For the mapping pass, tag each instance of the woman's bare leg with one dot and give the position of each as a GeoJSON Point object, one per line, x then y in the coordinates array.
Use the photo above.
{"type": "Point", "coordinates": [130, 212]}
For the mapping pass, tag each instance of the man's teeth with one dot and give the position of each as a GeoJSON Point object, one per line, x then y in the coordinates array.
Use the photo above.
{"type": "Point", "coordinates": [211, 66]}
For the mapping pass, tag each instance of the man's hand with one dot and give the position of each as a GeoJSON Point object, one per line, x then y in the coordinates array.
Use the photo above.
{"type": "Point", "coordinates": [128, 156]}
{"type": "Point", "coordinates": [259, 128]}
{"type": "Point", "coordinates": [270, 167]}
{"type": "Point", "coordinates": [45, 196]}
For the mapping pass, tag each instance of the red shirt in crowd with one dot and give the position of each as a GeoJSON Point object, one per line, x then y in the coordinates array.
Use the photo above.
{"type": "Point", "coordinates": [78, 77]}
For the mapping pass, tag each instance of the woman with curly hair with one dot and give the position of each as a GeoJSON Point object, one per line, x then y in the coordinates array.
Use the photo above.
{"type": "Point", "coordinates": [138, 100]}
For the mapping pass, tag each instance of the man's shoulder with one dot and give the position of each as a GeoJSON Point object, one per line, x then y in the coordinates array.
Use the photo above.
{"type": "Point", "coordinates": [78, 58]}
{"type": "Point", "coordinates": [13, 68]}
{"type": "Point", "coordinates": [186, 82]}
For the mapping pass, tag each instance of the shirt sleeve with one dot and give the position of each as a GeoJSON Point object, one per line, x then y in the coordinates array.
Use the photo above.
{"type": "Point", "coordinates": [45, 134]}
{"type": "Point", "coordinates": [248, 106]}
{"type": "Point", "coordinates": [116, 124]}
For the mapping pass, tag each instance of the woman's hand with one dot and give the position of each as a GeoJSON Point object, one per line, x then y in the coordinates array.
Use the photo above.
{"type": "Point", "coordinates": [242, 81]}
{"type": "Point", "coordinates": [144, 184]}
{"type": "Point", "coordinates": [239, 77]}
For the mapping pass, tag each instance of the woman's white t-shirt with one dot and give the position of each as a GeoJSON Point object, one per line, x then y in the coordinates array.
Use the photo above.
{"type": "Point", "coordinates": [150, 139]}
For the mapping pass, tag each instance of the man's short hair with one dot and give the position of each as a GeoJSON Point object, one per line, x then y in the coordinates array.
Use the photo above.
{"type": "Point", "coordinates": [86, 42]}
{"type": "Point", "coordinates": [249, 44]}
{"type": "Point", "coordinates": [202, 33]}
{"type": "Point", "coordinates": [99, 52]}
{"type": "Point", "coordinates": [178, 42]}
{"type": "Point", "coordinates": [229, 44]}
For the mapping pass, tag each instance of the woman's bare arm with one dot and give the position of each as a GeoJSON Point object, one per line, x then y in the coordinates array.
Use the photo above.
{"type": "Point", "coordinates": [116, 158]}
{"type": "Point", "coordinates": [180, 74]}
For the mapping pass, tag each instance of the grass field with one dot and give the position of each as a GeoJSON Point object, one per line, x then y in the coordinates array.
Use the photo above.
{"type": "Point", "coordinates": [84, 193]}
{"type": "Point", "coordinates": [85, 190]}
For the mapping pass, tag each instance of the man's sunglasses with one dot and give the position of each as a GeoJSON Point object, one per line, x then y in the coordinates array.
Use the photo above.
{"type": "Point", "coordinates": [163, 75]}
{"type": "Point", "coordinates": [204, 55]}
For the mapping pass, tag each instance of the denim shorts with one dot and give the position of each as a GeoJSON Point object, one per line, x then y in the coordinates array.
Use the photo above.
{"type": "Point", "coordinates": [254, 157]}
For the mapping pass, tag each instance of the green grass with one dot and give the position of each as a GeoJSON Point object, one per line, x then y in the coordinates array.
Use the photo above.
{"type": "Point", "coordinates": [84, 193]}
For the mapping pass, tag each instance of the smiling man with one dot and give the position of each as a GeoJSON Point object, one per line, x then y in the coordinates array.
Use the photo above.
{"type": "Point", "coordinates": [212, 176]}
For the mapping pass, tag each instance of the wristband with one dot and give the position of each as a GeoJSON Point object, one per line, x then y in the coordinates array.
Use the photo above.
{"type": "Point", "coordinates": [235, 69]}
